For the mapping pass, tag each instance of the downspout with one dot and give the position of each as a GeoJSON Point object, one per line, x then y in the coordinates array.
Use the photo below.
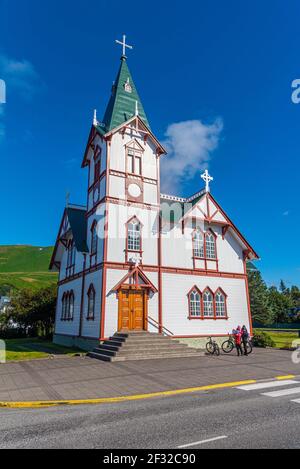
{"type": "Point", "coordinates": [82, 297]}
{"type": "Point", "coordinates": [159, 277]}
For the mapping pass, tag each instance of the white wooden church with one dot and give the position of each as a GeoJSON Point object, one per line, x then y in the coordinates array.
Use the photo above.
{"type": "Point", "coordinates": [133, 259]}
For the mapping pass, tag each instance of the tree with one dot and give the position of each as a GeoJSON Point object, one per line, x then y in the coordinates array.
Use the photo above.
{"type": "Point", "coordinates": [282, 288]}
{"type": "Point", "coordinates": [259, 298]}
{"type": "Point", "coordinates": [281, 304]}
{"type": "Point", "coordinates": [5, 289]}
{"type": "Point", "coordinates": [34, 310]}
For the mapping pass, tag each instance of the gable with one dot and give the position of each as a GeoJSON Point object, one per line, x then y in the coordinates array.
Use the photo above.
{"type": "Point", "coordinates": [74, 225]}
{"type": "Point", "coordinates": [135, 278]}
{"type": "Point", "coordinates": [206, 209]}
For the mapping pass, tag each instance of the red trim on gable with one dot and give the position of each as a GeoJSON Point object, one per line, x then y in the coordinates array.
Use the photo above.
{"type": "Point", "coordinates": [238, 233]}
{"type": "Point", "coordinates": [135, 273]}
{"type": "Point", "coordinates": [137, 120]}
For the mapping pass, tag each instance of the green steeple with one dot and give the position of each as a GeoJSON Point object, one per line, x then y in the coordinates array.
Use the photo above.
{"type": "Point", "coordinates": [122, 103]}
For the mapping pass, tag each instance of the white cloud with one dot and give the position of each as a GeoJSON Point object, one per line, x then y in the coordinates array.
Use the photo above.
{"type": "Point", "coordinates": [20, 75]}
{"type": "Point", "coordinates": [190, 145]}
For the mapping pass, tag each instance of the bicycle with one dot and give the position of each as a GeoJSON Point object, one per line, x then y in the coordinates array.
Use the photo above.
{"type": "Point", "coordinates": [212, 347]}
{"type": "Point", "coordinates": [229, 345]}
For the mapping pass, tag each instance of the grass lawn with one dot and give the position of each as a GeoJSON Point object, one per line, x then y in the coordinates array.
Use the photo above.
{"type": "Point", "coordinates": [28, 349]}
{"type": "Point", "coordinates": [281, 338]}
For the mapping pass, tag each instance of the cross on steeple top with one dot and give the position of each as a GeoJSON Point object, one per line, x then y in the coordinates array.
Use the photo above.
{"type": "Point", "coordinates": [207, 179]}
{"type": "Point", "coordinates": [124, 45]}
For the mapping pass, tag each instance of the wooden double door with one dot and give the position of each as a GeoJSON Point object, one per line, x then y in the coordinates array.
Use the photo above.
{"type": "Point", "coordinates": [132, 310]}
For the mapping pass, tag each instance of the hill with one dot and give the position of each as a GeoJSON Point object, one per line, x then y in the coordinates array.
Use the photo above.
{"type": "Point", "coordinates": [25, 267]}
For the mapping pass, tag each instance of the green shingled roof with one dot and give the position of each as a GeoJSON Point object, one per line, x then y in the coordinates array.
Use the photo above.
{"type": "Point", "coordinates": [172, 211]}
{"type": "Point", "coordinates": [122, 103]}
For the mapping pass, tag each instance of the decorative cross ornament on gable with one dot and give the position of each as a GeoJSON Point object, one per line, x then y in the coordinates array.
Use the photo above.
{"type": "Point", "coordinates": [207, 179]}
{"type": "Point", "coordinates": [124, 45]}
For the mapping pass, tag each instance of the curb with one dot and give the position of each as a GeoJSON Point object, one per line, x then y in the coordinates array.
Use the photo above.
{"type": "Point", "coordinates": [111, 400]}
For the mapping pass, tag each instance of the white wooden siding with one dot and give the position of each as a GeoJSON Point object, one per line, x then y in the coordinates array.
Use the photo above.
{"type": "Point", "coordinates": [92, 328]}
{"type": "Point", "coordinates": [69, 327]}
{"type": "Point", "coordinates": [175, 304]}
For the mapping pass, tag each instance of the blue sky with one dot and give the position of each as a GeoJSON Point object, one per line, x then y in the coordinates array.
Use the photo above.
{"type": "Point", "coordinates": [225, 64]}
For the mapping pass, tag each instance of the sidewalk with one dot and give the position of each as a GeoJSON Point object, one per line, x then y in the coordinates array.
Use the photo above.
{"type": "Point", "coordinates": [84, 378]}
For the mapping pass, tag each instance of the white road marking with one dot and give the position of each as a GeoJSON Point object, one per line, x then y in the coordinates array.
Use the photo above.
{"type": "Point", "coordinates": [296, 400]}
{"type": "Point", "coordinates": [202, 442]}
{"type": "Point", "coordinates": [282, 392]}
{"type": "Point", "coordinates": [272, 384]}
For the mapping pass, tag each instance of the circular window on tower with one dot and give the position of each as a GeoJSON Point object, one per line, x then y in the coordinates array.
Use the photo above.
{"type": "Point", "coordinates": [134, 190]}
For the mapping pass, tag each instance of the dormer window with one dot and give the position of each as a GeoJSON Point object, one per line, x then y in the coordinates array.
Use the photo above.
{"type": "Point", "coordinates": [127, 86]}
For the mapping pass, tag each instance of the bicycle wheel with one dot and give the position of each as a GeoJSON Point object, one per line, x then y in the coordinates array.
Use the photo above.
{"type": "Point", "coordinates": [210, 348]}
{"type": "Point", "coordinates": [249, 348]}
{"type": "Point", "coordinates": [227, 346]}
{"type": "Point", "coordinates": [217, 350]}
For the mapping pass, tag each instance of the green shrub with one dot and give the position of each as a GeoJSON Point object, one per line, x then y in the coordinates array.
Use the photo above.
{"type": "Point", "coordinates": [262, 339]}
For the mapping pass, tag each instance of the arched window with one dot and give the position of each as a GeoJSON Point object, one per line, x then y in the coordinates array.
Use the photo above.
{"type": "Point", "coordinates": [94, 238]}
{"type": "Point", "coordinates": [210, 245]}
{"type": "Point", "coordinates": [67, 306]}
{"type": "Point", "coordinates": [220, 302]}
{"type": "Point", "coordinates": [134, 235]}
{"type": "Point", "coordinates": [91, 303]}
{"type": "Point", "coordinates": [71, 258]}
{"type": "Point", "coordinates": [97, 164]}
{"type": "Point", "coordinates": [195, 303]}
{"type": "Point", "coordinates": [71, 306]}
{"type": "Point", "coordinates": [63, 306]}
{"type": "Point", "coordinates": [208, 304]}
{"type": "Point", "coordinates": [198, 244]}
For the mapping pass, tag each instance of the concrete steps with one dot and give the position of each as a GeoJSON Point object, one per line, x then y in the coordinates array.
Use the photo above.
{"type": "Point", "coordinates": [141, 346]}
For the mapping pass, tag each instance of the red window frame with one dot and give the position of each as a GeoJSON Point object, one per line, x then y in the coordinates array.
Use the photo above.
{"type": "Point", "coordinates": [195, 288]}
{"type": "Point", "coordinates": [202, 317]}
{"type": "Point", "coordinates": [205, 258]}
{"type": "Point", "coordinates": [131, 165]}
{"type": "Point", "coordinates": [220, 290]}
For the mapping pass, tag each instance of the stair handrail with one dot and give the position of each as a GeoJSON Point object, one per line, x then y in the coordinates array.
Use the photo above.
{"type": "Point", "coordinates": [154, 323]}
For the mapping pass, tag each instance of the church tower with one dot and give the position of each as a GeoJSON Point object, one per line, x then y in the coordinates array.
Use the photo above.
{"type": "Point", "coordinates": [123, 157]}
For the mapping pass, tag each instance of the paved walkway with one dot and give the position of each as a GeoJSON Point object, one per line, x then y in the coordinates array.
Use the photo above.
{"type": "Point", "coordinates": [86, 378]}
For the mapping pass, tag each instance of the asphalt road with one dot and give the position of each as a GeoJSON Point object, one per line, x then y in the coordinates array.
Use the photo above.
{"type": "Point", "coordinates": [244, 419]}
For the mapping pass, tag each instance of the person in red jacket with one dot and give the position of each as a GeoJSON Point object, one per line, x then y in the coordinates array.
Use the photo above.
{"type": "Point", "coordinates": [238, 341]}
